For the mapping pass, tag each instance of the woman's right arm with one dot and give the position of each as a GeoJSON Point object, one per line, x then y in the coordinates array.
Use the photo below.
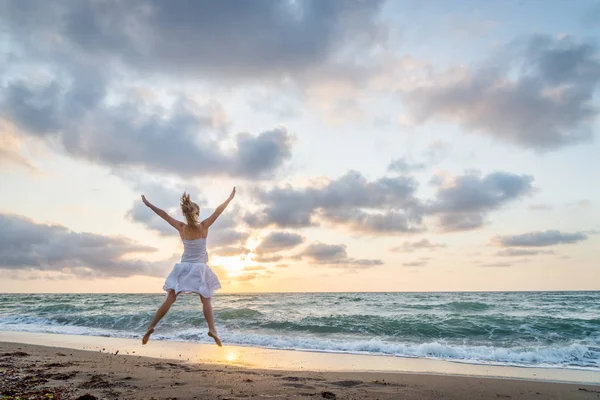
{"type": "Point", "coordinates": [218, 211]}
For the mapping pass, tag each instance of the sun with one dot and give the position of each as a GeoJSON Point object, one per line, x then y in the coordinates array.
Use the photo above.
{"type": "Point", "coordinates": [231, 264]}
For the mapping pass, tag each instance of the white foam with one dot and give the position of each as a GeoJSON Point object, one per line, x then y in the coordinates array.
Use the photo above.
{"type": "Point", "coordinates": [575, 356]}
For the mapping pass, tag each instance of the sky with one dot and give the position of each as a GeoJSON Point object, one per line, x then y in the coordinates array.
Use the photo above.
{"type": "Point", "coordinates": [374, 145]}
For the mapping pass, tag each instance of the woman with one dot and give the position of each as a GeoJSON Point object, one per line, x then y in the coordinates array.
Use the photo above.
{"type": "Point", "coordinates": [192, 274]}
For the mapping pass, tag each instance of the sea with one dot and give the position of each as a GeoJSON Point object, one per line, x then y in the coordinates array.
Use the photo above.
{"type": "Point", "coordinates": [527, 329]}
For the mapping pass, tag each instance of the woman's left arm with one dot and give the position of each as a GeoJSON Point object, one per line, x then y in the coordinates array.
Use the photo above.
{"type": "Point", "coordinates": [161, 213]}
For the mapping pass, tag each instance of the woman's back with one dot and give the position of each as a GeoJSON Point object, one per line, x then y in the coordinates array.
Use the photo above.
{"type": "Point", "coordinates": [194, 251]}
{"type": "Point", "coordinates": [193, 232]}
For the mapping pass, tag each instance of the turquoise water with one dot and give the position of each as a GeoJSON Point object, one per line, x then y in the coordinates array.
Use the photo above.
{"type": "Point", "coordinates": [543, 329]}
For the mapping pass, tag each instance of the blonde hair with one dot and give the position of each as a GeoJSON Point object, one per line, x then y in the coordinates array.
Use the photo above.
{"type": "Point", "coordinates": [190, 210]}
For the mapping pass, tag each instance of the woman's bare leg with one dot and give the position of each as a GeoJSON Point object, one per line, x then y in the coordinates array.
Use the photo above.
{"type": "Point", "coordinates": [210, 319]}
{"type": "Point", "coordinates": [160, 313]}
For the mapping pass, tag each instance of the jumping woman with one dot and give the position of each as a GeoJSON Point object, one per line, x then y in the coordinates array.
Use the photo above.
{"type": "Point", "coordinates": [192, 274]}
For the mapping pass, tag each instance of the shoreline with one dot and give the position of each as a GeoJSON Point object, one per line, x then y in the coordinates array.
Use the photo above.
{"type": "Point", "coordinates": [298, 360]}
{"type": "Point", "coordinates": [54, 372]}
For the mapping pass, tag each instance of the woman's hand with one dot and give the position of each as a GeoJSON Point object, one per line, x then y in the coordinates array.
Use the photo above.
{"type": "Point", "coordinates": [232, 195]}
{"type": "Point", "coordinates": [146, 202]}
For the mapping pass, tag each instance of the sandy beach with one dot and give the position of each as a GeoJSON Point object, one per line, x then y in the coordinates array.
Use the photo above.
{"type": "Point", "coordinates": [31, 371]}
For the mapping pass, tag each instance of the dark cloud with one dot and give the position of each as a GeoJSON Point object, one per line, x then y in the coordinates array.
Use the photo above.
{"type": "Point", "coordinates": [183, 139]}
{"type": "Point", "coordinates": [81, 101]}
{"type": "Point", "coordinates": [460, 221]}
{"type": "Point", "coordinates": [225, 237]}
{"type": "Point", "coordinates": [26, 245]}
{"type": "Point", "coordinates": [540, 239]}
{"type": "Point", "coordinates": [204, 39]}
{"type": "Point", "coordinates": [473, 192]}
{"type": "Point", "coordinates": [341, 201]}
{"type": "Point", "coordinates": [334, 255]}
{"type": "Point", "coordinates": [539, 97]}
{"type": "Point", "coordinates": [464, 201]}
{"type": "Point", "coordinates": [388, 206]}
{"type": "Point", "coordinates": [279, 241]}
{"type": "Point", "coordinates": [408, 247]}
{"type": "Point", "coordinates": [391, 222]}
{"type": "Point", "coordinates": [521, 252]}
{"type": "Point", "coordinates": [402, 165]}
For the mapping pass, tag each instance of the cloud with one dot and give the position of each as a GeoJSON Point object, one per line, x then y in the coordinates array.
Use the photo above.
{"type": "Point", "coordinates": [258, 39]}
{"type": "Point", "coordinates": [247, 276]}
{"type": "Point", "coordinates": [583, 203]}
{"type": "Point", "coordinates": [379, 223]}
{"type": "Point", "coordinates": [229, 251]}
{"type": "Point", "coordinates": [388, 205]}
{"type": "Point", "coordinates": [341, 201]}
{"type": "Point", "coordinates": [496, 265]}
{"type": "Point", "coordinates": [10, 146]}
{"type": "Point", "coordinates": [181, 139]}
{"type": "Point", "coordinates": [267, 259]}
{"type": "Point", "coordinates": [539, 95]}
{"type": "Point", "coordinates": [334, 255]}
{"type": "Point", "coordinates": [415, 264]}
{"type": "Point", "coordinates": [26, 245]}
{"type": "Point", "coordinates": [539, 239]}
{"type": "Point", "coordinates": [408, 247]}
{"type": "Point", "coordinates": [255, 268]}
{"type": "Point", "coordinates": [462, 202]}
{"type": "Point", "coordinates": [541, 207]}
{"type": "Point", "coordinates": [279, 241]}
{"type": "Point", "coordinates": [402, 165]}
{"type": "Point", "coordinates": [510, 252]}
{"type": "Point", "coordinates": [67, 86]}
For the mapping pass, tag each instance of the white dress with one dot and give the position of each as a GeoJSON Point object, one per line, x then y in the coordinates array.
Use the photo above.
{"type": "Point", "coordinates": [192, 274]}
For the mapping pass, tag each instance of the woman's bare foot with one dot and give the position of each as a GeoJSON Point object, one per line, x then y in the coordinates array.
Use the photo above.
{"type": "Point", "coordinates": [215, 337]}
{"type": "Point", "coordinates": [147, 336]}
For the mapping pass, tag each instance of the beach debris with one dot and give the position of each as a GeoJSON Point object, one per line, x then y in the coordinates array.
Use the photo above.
{"type": "Point", "coordinates": [589, 390]}
{"type": "Point", "coordinates": [87, 396]}
{"type": "Point", "coordinates": [59, 365]}
{"type": "Point", "coordinates": [61, 376]}
{"type": "Point", "coordinates": [347, 383]}
{"type": "Point", "coordinates": [61, 354]}
{"type": "Point", "coordinates": [248, 380]}
{"type": "Point", "coordinates": [96, 382]}
{"type": "Point", "coordinates": [328, 395]}
{"type": "Point", "coordinates": [293, 378]}
{"type": "Point", "coordinates": [15, 354]}
{"type": "Point", "coordinates": [380, 382]}
{"type": "Point", "coordinates": [15, 385]}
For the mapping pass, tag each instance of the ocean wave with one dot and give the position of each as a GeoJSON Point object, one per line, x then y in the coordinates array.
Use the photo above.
{"type": "Point", "coordinates": [565, 356]}
{"type": "Point", "coordinates": [238, 313]}
{"type": "Point", "coordinates": [551, 329]}
{"type": "Point", "coordinates": [467, 306]}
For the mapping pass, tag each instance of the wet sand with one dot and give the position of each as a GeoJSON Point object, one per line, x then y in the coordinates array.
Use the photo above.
{"type": "Point", "coordinates": [39, 372]}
